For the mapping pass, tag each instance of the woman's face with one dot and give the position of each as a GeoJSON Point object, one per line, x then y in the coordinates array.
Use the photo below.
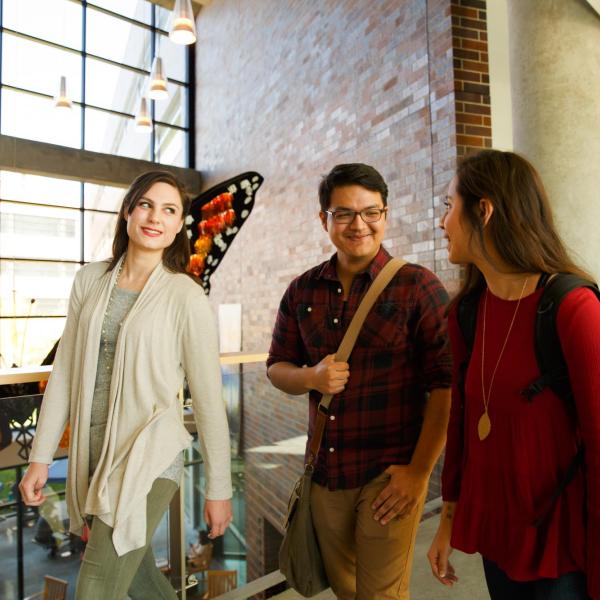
{"type": "Point", "coordinates": [456, 228]}
{"type": "Point", "coordinates": [156, 218]}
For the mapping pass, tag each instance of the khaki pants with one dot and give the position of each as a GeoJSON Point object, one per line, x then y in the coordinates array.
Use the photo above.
{"type": "Point", "coordinates": [364, 560]}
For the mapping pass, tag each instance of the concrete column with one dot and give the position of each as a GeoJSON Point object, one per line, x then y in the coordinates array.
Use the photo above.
{"type": "Point", "coordinates": [555, 76]}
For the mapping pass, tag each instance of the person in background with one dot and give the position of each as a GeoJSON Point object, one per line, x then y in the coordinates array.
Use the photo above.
{"type": "Point", "coordinates": [137, 325]}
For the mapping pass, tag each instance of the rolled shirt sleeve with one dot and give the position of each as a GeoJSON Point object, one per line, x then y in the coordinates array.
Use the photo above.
{"type": "Point", "coordinates": [286, 342]}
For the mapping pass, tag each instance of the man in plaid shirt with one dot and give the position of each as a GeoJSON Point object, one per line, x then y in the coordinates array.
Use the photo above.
{"type": "Point", "coordinates": [387, 422]}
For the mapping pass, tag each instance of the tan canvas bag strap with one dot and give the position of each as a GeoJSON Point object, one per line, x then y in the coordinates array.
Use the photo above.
{"type": "Point", "coordinates": [345, 349]}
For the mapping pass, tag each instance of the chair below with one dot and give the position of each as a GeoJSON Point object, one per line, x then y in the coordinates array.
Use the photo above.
{"type": "Point", "coordinates": [219, 582]}
{"type": "Point", "coordinates": [54, 589]}
{"type": "Point", "coordinates": [199, 557]}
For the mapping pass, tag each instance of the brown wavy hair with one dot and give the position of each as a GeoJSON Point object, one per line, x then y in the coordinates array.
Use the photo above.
{"type": "Point", "coordinates": [177, 256]}
{"type": "Point", "coordinates": [521, 227]}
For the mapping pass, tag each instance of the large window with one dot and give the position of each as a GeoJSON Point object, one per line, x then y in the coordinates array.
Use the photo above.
{"type": "Point", "coordinates": [105, 49]}
{"type": "Point", "coordinates": [49, 227]}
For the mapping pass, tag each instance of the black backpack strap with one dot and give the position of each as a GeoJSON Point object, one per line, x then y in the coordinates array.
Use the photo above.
{"type": "Point", "coordinates": [551, 361]}
{"type": "Point", "coordinates": [542, 281]}
{"type": "Point", "coordinates": [552, 364]}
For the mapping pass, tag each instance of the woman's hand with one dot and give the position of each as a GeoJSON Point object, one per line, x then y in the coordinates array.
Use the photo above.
{"type": "Point", "coordinates": [218, 515]}
{"type": "Point", "coordinates": [32, 484]}
{"type": "Point", "coordinates": [440, 549]}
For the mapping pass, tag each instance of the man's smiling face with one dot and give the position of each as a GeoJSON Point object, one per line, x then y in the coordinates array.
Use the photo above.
{"type": "Point", "coordinates": [356, 240]}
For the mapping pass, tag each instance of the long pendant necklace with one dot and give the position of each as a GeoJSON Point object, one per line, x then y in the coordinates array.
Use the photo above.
{"type": "Point", "coordinates": [484, 426]}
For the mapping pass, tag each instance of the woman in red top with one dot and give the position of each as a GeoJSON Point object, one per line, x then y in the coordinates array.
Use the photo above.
{"type": "Point", "coordinates": [505, 456]}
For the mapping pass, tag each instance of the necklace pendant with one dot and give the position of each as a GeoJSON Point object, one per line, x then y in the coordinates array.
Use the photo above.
{"type": "Point", "coordinates": [484, 426]}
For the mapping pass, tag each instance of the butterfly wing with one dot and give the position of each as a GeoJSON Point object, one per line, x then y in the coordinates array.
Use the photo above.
{"type": "Point", "coordinates": [243, 190]}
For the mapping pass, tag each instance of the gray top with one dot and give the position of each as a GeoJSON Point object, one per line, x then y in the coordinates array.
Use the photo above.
{"type": "Point", "coordinates": [119, 305]}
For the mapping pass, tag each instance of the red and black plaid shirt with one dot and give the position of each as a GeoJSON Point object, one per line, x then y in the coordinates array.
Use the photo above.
{"type": "Point", "coordinates": [401, 353]}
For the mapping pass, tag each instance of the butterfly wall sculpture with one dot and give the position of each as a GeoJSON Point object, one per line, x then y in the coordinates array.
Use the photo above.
{"type": "Point", "coordinates": [215, 218]}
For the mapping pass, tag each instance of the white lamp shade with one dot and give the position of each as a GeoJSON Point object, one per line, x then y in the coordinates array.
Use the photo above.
{"type": "Point", "coordinates": [61, 100]}
{"type": "Point", "coordinates": [143, 122]}
{"type": "Point", "coordinates": [158, 81]}
{"type": "Point", "coordinates": [183, 26]}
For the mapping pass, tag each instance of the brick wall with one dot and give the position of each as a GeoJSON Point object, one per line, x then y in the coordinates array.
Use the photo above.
{"type": "Point", "coordinates": [471, 75]}
{"type": "Point", "coordinates": [291, 88]}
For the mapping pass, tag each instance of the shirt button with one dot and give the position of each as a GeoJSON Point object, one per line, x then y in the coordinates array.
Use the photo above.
{"type": "Point", "coordinates": [331, 449]}
{"type": "Point", "coordinates": [309, 309]}
{"type": "Point", "coordinates": [336, 320]}
{"type": "Point", "coordinates": [332, 418]}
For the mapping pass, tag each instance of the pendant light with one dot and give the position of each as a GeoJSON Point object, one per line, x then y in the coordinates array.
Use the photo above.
{"type": "Point", "coordinates": [158, 81]}
{"type": "Point", "coordinates": [143, 122]}
{"type": "Point", "coordinates": [183, 26]}
{"type": "Point", "coordinates": [62, 100]}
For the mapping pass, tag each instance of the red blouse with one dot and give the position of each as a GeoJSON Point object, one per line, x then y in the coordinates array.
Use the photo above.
{"type": "Point", "coordinates": [503, 482]}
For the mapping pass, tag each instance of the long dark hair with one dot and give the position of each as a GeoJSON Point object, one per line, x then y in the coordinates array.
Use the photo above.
{"type": "Point", "coordinates": [177, 256]}
{"type": "Point", "coordinates": [521, 227]}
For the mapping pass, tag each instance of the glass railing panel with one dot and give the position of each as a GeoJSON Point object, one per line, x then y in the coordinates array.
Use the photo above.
{"type": "Point", "coordinates": [267, 446]}
{"type": "Point", "coordinates": [47, 547]}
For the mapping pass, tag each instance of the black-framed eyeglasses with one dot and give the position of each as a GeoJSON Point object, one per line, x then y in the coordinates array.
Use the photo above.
{"type": "Point", "coordinates": [345, 216]}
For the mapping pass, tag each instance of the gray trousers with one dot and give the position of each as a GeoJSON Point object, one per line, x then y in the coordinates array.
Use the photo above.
{"type": "Point", "coordinates": [104, 575]}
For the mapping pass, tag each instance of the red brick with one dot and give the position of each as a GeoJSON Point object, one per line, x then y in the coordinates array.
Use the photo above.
{"type": "Point", "coordinates": [463, 11]}
{"type": "Point", "coordinates": [470, 65]}
{"type": "Point", "coordinates": [468, 54]}
{"type": "Point", "coordinates": [467, 76]}
{"type": "Point", "coordinates": [480, 131]}
{"type": "Point", "coordinates": [473, 24]}
{"type": "Point", "coordinates": [461, 32]}
{"type": "Point", "coordinates": [478, 109]}
{"type": "Point", "coordinates": [390, 84]}
{"type": "Point", "coordinates": [473, 3]}
{"type": "Point", "coordinates": [478, 88]}
{"type": "Point", "coordinates": [473, 45]}
{"type": "Point", "coordinates": [470, 119]}
{"type": "Point", "coordinates": [470, 140]}
{"type": "Point", "coordinates": [468, 97]}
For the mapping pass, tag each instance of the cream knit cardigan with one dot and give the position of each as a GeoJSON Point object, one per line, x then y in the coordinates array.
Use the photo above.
{"type": "Point", "coordinates": [168, 334]}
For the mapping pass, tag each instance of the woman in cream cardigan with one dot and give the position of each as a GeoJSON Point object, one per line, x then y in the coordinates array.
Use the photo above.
{"type": "Point", "coordinates": [137, 325]}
